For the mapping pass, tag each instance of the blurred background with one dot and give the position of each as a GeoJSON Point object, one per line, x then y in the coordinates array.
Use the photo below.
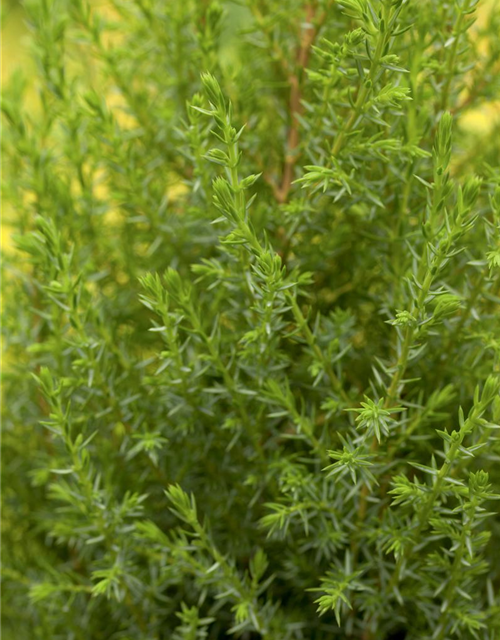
{"type": "Point", "coordinates": [478, 124]}
{"type": "Point", "coordinates": [15, 49]}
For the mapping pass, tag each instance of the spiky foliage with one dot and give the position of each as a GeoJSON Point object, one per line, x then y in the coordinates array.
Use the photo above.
{"type": "Point", "coordinates": [251, 322]}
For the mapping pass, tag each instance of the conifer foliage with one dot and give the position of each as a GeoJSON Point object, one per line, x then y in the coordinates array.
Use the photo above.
{"type": "Point", "coordinates": [251, 318]}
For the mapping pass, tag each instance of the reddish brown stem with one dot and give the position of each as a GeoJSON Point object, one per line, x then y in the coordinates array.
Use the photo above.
{"type": "Point", "coordinates": [308, 36]}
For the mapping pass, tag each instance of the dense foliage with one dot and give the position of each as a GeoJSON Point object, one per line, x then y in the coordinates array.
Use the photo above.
{"type": "Point", "coordinates": [251, 376]}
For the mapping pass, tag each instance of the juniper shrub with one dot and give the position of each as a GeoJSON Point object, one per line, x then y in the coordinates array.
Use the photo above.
{"type": "Point", "coordinates": [251, 376]}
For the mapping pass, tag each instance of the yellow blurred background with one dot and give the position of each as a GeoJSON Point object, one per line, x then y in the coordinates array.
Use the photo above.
{"type": "Point", "coordinates": [16, 54]}
{"type": "Point", "coordinates": [15, 50]}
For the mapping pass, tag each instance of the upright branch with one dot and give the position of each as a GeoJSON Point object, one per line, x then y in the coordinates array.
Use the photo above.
{"type": "Point", "coordinates": [312, 25]}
